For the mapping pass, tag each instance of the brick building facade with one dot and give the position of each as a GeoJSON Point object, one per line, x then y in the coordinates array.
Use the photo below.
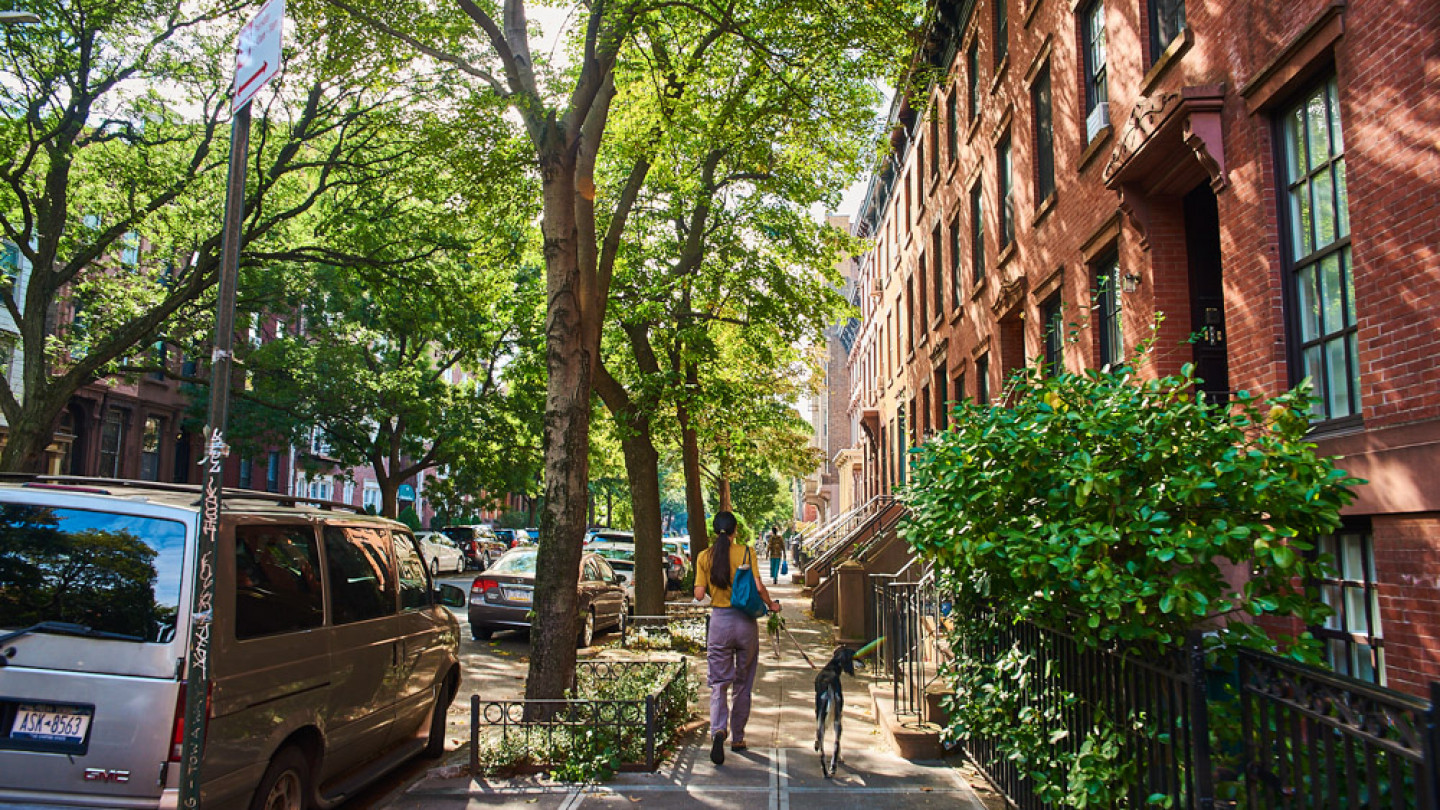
{"type": "Point", "coordinates": [1261, 173]}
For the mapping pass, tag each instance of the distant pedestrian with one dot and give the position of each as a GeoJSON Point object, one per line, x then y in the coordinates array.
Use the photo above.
{"type": "Point", "coordinates": [775, 547]}
{"type": "Point", "coordinates": [733, 646]}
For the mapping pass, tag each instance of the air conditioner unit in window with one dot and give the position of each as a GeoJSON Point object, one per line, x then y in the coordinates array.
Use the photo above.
{"type": "Point", "coordinates": [1098, 119]}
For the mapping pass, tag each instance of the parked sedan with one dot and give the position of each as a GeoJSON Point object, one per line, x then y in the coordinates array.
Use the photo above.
{"type": "Point", "coordinates": [441, 553]}
{"type": "Point", "coordinates": [501, 598]}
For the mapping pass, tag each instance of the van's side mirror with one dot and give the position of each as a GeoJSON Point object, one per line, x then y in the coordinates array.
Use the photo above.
{"type": "Point", "coordinates": [451, 596]}
{"type": "Point", "coordinates": [616, 579]}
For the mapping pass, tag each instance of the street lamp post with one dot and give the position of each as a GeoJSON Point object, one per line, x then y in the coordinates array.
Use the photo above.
{"type": "Point", "coordinates": [18, 17]}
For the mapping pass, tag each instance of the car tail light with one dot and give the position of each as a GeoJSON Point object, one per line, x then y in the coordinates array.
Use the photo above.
{"type": "Point", "coordinates": [483, 584]}
{"type": "Point", "coordinates": [676, 562]}
{"type": "Point", "coordinates": [177, 733]}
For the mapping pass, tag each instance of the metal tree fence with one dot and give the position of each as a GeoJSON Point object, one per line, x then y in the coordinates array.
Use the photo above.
{"type": "Point", "coordinates": [637, 728]}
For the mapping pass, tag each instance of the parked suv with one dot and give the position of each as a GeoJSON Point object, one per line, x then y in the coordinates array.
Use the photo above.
{"type": "Point", "coordinates": [332, 658]}
{"type": "Point", "coordinates": [482, 548]}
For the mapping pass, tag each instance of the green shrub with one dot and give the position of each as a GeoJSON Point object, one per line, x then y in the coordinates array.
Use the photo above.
{"type": "Point", "coordinates": [1120, 510]}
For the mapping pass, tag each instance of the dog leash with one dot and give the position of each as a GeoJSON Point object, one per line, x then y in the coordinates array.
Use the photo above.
{"type": "Point", "coordinates": [797, 645]}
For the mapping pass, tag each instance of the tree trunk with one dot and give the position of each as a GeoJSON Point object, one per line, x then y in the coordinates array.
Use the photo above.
{"type": "Point", "coordinates": [569, 361]}
{"type": "Point", "coordinates": [642, 467]}
{"type": "Point", "coordinates": [27, 439]}
{"type": "Point", "coordinates": [725, 495]}
{"type": "Point", "coordinates": [694, 484]}
{"type": "Point", "coordinates": [389, 497]}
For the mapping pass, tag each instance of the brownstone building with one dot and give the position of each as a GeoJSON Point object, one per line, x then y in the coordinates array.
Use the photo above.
{"type": "Point", "coordinates": [1265, 174]}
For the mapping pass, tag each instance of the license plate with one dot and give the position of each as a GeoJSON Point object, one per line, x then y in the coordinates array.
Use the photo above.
{"type": "Point", "coordinates": [46, 723]}
{"type": "Point", "coordinates": [520, 595]}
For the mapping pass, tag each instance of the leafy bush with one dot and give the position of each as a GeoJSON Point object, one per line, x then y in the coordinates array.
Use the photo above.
{"type": "Point", "coordinates": [1124, 511]}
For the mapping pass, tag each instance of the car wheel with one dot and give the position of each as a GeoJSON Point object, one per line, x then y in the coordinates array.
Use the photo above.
{"type": "Point", "coordinates": [481, 633]}
{"type": "Point", "coordinates": [460, 565]}
{"type": "Point", "coordinates": [435, 743]}
{"type": "Point", "coordinates": [286, 783]}
{"type": "Point", "coordinates": [587, 629]}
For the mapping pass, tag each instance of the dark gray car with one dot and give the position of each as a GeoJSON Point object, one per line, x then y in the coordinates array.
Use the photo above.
{"type": "Point", "coordinates": [501, 598]}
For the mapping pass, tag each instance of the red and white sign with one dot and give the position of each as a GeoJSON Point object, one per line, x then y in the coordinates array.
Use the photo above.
{"type": "Point", "coordinates": [257, 54]}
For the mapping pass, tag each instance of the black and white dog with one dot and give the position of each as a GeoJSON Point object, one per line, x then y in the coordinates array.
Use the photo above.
{"type": "Point", "coordinates": [829, 697]}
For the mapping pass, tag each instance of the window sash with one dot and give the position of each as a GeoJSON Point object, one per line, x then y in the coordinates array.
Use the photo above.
{"type": "Point", "coordinates": [1167, 21]}
{"type": "Point", "coordinates": [1324, 324]}
{"type": "Point", "coordinates": [1052, 322]}
{"type": "Point", "coordinates": [1044, 137]}
{"type": "Point", "coordinates": [972, 69]}
{"type": "Point", "coordinates": [1096, 89]}
{"type": "Point", "coordinates": [1107, 303]}
{"type": "Point", "coordinates": [1353, 635]}
{"type": "Point", "coordinates": [977, 231]}
{"type": "Point", "coordinates": [1007, 193]}
{"type": "Point", "coordinates": [1002, 31]}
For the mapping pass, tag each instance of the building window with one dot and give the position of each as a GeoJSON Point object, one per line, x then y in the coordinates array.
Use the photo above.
{"type": "Point", "coordinates": [1318, 219]}
{"type": "Point", "coordinates": [977, 232]}
{"type": "Point", "coordinates": [922, 302]}
{"type": "Point", "coordinates": [1097, 91]}
{"type": "Point", "coordinates": [1353, 640]}
{"type": "Point", "coordinates": [130, 249]}
{"type": "Point", "coordinates": [955, 261]}
{"type": "Point", "coordinates": [982, 379]}
{"type": "Point", "coordinates": [934, 139]}
{"type": "Point", "coordinates": [272, 472]}
{"type": "Point", "coordinates": [909, 316]}
{"type": "Point", "coordinates": [942, 400]}
{"type": "Point", "coordinates": [937, 269]}
{"type": "Point", "coordinates": [9, 261]}
{"type": "Point", "coordinates": [112, 438]}
{"type": "Point", "coordinates": [960, 387]}
{"type": "Point", "coordinates": [1107, 306]}
{"type": "Point", "coordinates": [900, 448]}
{"type": "Point", "coordinates": [1044, 136]}
{"type": "Point", "coordinates": [370, 498]}
{"type": "Point", "coordinates": [922, 423]}
{"type": "Point", "coordinates": [320, 443]}
{"type": "Point", "coordinates": [1167, 20]}
{"type": "Point", "coordinates": [150, 450]}
{"type": "Point", "coordinates": [952, 116]}
{"type": "Point", "coordinates": [247, 474]}
{"type": "Point", "coordinates": [1002, 32]}
{"type": "Point", "coordinates": [1051, 320]}
{"type": "Point", "coordinates": [1006, 179]}
{"type": "Point", "coordinates": [972, 76]}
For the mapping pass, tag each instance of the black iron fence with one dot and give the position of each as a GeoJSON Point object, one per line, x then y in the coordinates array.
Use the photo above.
{"type": "Point", "coordinates": [910, 615]}
{"type": "Point", "coordinates": [1073, 686]}
{"type": "Point", "coordinates": [636, 728]}
{"type": "Point", "coordinates": [1314, 739]}
{"type": "Point", "coordinates": [1271, 734]}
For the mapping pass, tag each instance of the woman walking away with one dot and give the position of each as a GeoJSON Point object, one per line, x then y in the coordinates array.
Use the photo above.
{"type": "Point", "coordinates": [775, 548]}
{"type": "Point", "coordinates": [734, 644]}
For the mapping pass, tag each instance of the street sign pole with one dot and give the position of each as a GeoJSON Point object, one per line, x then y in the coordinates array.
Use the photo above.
{"type": "Point", "coordinates": [257, 60]}
{"type": "Point", "coordinates": [197, 674]}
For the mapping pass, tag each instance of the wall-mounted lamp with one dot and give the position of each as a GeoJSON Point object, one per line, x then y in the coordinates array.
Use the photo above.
{"type": "Point", "coordinates": [1130, 282]}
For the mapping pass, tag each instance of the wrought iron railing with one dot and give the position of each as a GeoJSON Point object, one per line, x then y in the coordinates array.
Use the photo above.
{"type": "Point", "coordinates": [1077, 685]}
{"type": "Point", "coordinates": [825, 537]}
{"type": "Point", "coordinates": [638, 728]}
{"type": "Point", "coordinates": [910, 613]}
{"type": "Point", "coordinates": [876, 518]}
{"type": "Point", "coordinates": [1313, 739]}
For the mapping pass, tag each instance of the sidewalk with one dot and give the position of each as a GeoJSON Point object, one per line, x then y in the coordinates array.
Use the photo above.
{"type": "Point", "coordinates": [781, 769]}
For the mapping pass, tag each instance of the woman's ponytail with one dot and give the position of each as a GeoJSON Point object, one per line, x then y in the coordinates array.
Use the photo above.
{"type": "Point", "coordinates": [724, 525]}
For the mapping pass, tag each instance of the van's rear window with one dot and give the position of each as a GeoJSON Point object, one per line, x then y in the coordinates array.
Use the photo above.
{"type": "Point", "coordinates": [116, 574]}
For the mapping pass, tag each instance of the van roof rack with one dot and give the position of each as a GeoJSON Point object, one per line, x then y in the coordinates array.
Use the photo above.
{"type": "Point", "coordinates": [107, 484]}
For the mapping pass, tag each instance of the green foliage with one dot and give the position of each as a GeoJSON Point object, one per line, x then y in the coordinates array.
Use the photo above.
{"type": "Point", "coordinates": [1125, 511]}
{"type": "Point", "coordinates": [1126, 502]}
{"type": "Point", "coordinates": [410, 518]}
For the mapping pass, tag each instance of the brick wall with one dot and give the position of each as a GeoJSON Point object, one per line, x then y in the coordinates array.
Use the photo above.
{"type": "Point", "coordinates": [1260, 55]}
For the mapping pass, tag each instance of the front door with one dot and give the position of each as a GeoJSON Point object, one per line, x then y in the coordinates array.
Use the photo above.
{"type": "Point", "coordinates": [1207, 294]}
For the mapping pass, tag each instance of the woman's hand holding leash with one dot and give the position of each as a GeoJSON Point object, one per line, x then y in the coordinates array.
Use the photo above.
{"type": "Point", "coordinates": [775, 605]}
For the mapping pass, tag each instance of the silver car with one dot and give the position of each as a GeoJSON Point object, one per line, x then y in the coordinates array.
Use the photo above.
{"type": "Point", "coordinates": [332, 659]}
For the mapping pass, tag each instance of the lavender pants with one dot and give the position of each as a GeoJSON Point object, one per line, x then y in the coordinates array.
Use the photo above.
{"type": "Point", "coordinates": [732, 651]}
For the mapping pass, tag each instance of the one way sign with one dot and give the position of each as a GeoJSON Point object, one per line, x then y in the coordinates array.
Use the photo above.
{"type": "Point", "coordinates": [257, 54]}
